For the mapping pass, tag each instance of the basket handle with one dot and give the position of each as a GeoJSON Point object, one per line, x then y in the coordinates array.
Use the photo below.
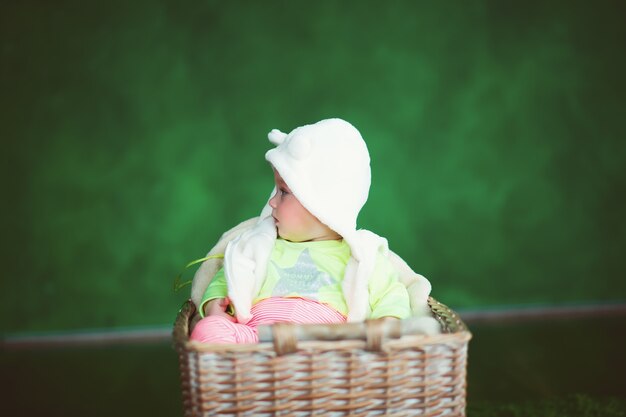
{"type": "Point", "coordinates": [285, 336]}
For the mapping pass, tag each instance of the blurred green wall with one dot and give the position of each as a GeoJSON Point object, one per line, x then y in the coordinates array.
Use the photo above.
{"type": "Point", "coordinates": [133, 135]}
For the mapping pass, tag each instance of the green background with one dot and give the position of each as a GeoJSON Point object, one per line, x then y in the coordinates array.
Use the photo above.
{"type": "Point", "coordinates": [133, 135]}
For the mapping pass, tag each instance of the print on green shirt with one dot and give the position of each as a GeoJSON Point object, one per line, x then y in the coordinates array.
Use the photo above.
{"type": "Point", "coordinates": [304, 278]}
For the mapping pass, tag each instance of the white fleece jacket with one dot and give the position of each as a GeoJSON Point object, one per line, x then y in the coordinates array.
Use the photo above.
{"type": "Point", "coordinates": [247, 248]}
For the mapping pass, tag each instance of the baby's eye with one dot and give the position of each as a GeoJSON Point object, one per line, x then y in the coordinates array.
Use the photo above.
{"type": "Point", "coordinates": [283, 192]}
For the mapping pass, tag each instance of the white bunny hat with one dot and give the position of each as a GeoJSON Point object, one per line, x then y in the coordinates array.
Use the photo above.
{"type": "Point", "coordinates": [327, 167]}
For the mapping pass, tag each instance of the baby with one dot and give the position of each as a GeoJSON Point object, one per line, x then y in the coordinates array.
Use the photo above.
{"type": "Point", "coordinates": [303, 260]}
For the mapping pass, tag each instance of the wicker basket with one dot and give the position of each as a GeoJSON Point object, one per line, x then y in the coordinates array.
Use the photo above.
{"type": "Point", "coordinates": [376, 368]}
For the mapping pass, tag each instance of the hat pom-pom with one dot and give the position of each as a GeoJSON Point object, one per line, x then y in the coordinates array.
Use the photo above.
{"type": "Point", "coordinates": [276, 137]}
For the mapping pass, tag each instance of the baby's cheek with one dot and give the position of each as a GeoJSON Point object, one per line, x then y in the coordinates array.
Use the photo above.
{"type": "Point", "coordinates": [287, 215]}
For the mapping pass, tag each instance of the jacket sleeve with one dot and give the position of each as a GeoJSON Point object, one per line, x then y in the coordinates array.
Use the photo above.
{"type": "Point", "coordinates": [388, 297]}
{"type": "Point", "coordinates": [209, 268]}
{"type": "Point", "coordinates": [217, 289]}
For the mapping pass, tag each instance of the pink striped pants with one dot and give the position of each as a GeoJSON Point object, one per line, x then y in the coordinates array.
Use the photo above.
{"type": "Point", "coordinates": [217, 329]}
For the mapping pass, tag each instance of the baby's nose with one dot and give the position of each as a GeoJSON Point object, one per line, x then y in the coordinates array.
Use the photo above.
{"type": "Point", "coordinates": [273, 201]}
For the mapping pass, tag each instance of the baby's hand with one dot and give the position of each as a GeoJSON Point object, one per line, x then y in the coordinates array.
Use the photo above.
{"type": "Point", "coordinates": [217, 307]}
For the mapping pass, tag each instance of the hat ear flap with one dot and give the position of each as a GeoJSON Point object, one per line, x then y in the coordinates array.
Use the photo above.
{"type": "Point", "coordinates": [276, 137]}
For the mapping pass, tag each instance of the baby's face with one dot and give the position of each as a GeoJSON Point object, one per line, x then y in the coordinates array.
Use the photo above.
{"type": "Point", "coordinates": [294, 222]}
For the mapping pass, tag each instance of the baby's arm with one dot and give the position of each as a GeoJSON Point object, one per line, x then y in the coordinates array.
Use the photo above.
{"type": "Point", "coordinates": [215, 300]}
{"type": "Point", "coordinates": [389, 298]}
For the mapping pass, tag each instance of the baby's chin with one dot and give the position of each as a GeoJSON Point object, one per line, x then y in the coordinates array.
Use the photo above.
{"type": "Point", "coordinates": [293, 238]}
{"type": "Point", "coordinates": [302, 239]}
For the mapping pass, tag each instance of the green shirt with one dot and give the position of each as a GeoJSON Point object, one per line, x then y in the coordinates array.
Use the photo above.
{"type": "Point", "coordinates": [315, 270]}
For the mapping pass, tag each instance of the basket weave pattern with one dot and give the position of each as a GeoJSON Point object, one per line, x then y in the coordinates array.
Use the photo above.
{"type": "Point", "coordinates": [413, 375]}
